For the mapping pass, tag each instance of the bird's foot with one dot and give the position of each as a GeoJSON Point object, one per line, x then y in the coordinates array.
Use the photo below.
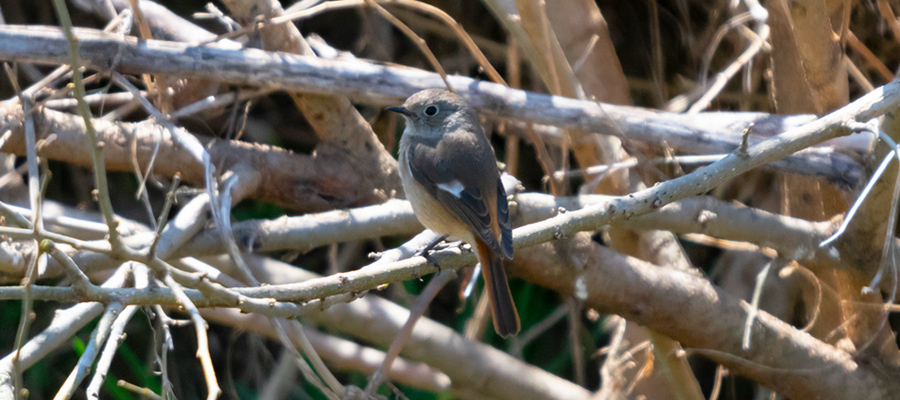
{"type": "Point", "coordinates": [427, 250]}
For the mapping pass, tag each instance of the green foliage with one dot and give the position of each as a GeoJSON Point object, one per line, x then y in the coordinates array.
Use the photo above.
{"type": "Point", "coordinates": [252, 209]}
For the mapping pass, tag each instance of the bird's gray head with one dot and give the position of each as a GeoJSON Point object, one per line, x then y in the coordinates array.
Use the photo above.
{"type": "Point", "coordinates": [432, 112]}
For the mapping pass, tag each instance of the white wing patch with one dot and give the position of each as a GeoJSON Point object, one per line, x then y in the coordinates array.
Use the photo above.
{"type": "Point", "coordinates": [454, 187]}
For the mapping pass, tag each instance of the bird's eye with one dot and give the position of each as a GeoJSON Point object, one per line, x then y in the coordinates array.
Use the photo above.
{"type": "Point", "coordinates": [431, 111]}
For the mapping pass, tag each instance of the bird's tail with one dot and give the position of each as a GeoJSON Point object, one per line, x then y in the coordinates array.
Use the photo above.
{"type": "Point", "coordinates": [503, 309]}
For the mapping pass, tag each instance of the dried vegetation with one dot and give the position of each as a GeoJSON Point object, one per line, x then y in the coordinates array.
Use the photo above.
{"type": "Point", "coordinates": [704, 193]}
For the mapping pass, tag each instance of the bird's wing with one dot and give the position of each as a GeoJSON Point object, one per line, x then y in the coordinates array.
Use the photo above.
{"type": "Point", "coordinates": [468, 185]}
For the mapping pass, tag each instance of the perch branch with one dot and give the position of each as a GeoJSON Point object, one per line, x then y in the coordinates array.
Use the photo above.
{"type": "Point", "coordinates": [796, 238]}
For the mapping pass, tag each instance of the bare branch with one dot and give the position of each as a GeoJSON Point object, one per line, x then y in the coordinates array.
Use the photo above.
{"type": "Point", "coordinates": [65, 323]}
{"type": "Point", "coordinates": [794, 237]}
{"type": "Point", "coordinates": [296, 181]}
{"type": "Point", "coordinates": [386, 84]}
{"type": "Point", "coordinates": [341, 354]}
{"type": "Point", "coordinates": [595, 216]}
{"type": "Point", "coordinates": [780, 356]}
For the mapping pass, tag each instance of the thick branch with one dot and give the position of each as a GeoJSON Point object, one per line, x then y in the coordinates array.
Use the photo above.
{"type": "Point", "coordinates": [346, 136]}
{"type": "Point", "coordinates": [689, 309]}
{"type": "Point", "coordinates": [708, 133]}
{"type": "Point", "coordinates": [296, 181]}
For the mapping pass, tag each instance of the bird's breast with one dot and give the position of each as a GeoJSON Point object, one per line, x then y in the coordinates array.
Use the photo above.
{"type": "Point", "coordinates": [431, 213]}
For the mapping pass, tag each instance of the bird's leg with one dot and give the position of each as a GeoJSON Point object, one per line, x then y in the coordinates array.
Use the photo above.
{"type": "Point", "coordinates": [431, 246]}
{"type": "Point", "coordinates": [426, 251]}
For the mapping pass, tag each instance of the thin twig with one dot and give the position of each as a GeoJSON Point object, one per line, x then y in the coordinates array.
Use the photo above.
{"type": "Point", "coordinates": [219, 100]}
{"type": "Point", "coordinates": [891, 156]}
{"type": "Point", "coordinates": [324, 381]}
{"type": "Point", "coordinates": [64, 324]}
{"type": "Point", "coordinates": [24, 323]}
{"type": "Point", "coordinates": [425, 8]}
{"type": "Point", "coordinates": [537, 330]}
{"type": "Point", "coordinates": [418, 41]}
{"type": "Point", "coordinates": [732, 23]}
{"type": "Point", "coordinates": [633, 162]}
{"type": "Point", "coordinates": [723, 77]}
{"type": "Point", "coordinates": [212, 384]}
{"type": "Point", "coordinates": [754, 304]}
{"type": "Point", "coordinates": [870, 57]}
{"type": "Point", "coordinates": [99, 166]}
{"type": "Point", "coordinates": [116, 337]}
{"type": "Point", "coordinates": [544, 160]}
{"type": "Point", "coordinates": [142, 391]}
{"type": "Point", "coordinates": [717, 384]}
{"type": "Point", "coordinates": [164, 214]}
{"type": "Point", "coordinates": [415, 312]}
{"type": "Point", "coordinates": [610, 373]}
{"type": "Point", "coordinates": [160, 86]}
{"type": "Point", "coordinates": [857, 75]}
{"type": "Point", "coordinates": [94, 346]}
{"type": "Point", "coordinates": [80, 281]}
{"type": "Point", "coordinates": [815, 309]}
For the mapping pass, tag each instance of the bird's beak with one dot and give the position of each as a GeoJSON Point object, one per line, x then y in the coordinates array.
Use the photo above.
{"type": "Point", "coordinates": [400, 110]}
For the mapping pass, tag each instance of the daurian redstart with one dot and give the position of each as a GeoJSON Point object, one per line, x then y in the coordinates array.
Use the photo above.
{"type": "Point", "coordinates": [450, 176]}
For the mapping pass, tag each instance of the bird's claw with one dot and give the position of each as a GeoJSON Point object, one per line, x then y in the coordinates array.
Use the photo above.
{"type": "Point", "coordinates": [426, 252]}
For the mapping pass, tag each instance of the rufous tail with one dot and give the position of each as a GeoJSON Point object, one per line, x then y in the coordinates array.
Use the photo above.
{"type": "Point", "coordinates": [503, 309]}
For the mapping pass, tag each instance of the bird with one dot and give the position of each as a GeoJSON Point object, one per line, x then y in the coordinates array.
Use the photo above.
{"type": "Point", "coordinates": [450, 176]}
